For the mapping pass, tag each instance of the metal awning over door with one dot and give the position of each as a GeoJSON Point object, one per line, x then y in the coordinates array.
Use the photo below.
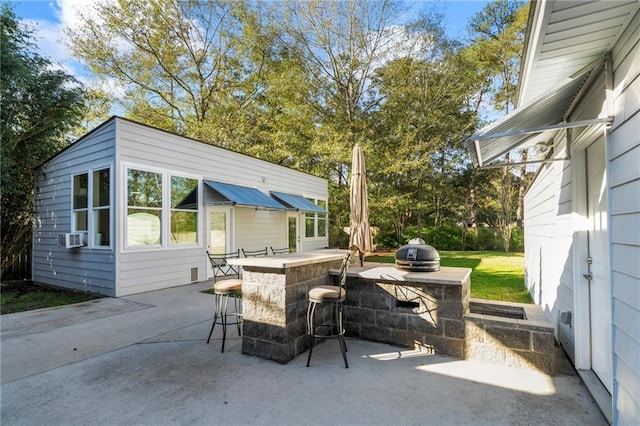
{"type": "Point", "coordinates": [237, 195]}
{"type": "Point", "coordinates": [298, 202]}
{"type": "Point", "coordinates": [519, 128]}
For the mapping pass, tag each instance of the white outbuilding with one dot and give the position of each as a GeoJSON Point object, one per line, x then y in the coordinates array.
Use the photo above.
{"type": "Point", "coordinates": [129, 208]}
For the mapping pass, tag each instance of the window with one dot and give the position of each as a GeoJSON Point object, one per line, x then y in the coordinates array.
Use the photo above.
{"type": "Point", "coordinates": [315, 224]}
{"type": "Point", "coordinates": [101, 206]}
{"type": "Point", "coordinates": [92, 206]}
{"type": "Point", "coordinates": [184, 210]}
{"type": "Point", "coordinates": [309, 225]}
{"type": "Point", "coordinates": [144, 208]}
{"type": "Point", "coordinates": [162, 209]}
{"type": "Point", "coordinates": [80, 202]}
{"type": "Point", "coordinates": [322, 219]}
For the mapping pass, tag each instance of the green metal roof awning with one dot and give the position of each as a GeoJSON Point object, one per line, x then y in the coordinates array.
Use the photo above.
{"type": "Point", "coordinates": [243, 196]}
{"type": "Point", "coordinates": [298, 202]}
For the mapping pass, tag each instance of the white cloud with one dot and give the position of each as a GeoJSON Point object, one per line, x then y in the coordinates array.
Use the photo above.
{"type": "Point", "coordinates": [50, 34]}
{"type": "Point", "coordinates": [51, 40]}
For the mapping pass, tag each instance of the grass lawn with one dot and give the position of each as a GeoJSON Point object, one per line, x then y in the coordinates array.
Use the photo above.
{"type": "Point", "coordinates": [495, 275]}
{"type": "Point", "coordinates": [19, 296]}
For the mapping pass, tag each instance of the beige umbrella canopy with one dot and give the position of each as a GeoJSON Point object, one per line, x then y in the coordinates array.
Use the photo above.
{"type": "Point", "coordinates": [360, 233]}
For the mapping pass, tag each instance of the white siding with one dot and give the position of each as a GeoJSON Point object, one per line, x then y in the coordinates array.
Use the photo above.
{"type": "Point", "coordinates": [624, 166]}
{"type": "Point", "coordinates": [81, 268]}
{"type": "Point", "coordinates": [257, 229]}
{"type": "Point", "coordinates": [555, 228]}
{"type": "Point", "coordinates": [548, 242]}
{"type": "Point", "coordinates": [142, 146]}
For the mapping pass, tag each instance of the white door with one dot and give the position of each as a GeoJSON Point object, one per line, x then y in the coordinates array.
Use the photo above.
{"type": "Point", "coordinates": [600, 281]}
{"type": "Point", "coordinates": [218, 232]}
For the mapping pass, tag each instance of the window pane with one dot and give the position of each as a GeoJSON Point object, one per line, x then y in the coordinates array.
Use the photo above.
{"type": "Point", "coordinates": [322, 225]}
{"type": "Point", "coordinates": [184, 227]}
{"type": "Point", "coordinates": [144, 227]}
{"type": "Point", "coordinates": [218, 236]}
{"type": "Point", "coordinates": [81, 220]}
{"type": "Point", "coordinates": [80, 191]}
{"type": "Point", "coordinates": [144, 189]}
{"type": "Point", "coordinates": [101, 188]}
{"type": "Point", "coordinates": [184, 193]}
{"type": "Point", "coordinates": [102, 227]}
{"type": "Point", "coordinates": [309, 225]}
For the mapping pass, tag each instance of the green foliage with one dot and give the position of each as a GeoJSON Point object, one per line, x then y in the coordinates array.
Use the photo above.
{"type": "Point", "coordinates": [300, 83]}
{"type": "Point", "coordinates": [517, 239]}
{"type": "Point", "coordinates": [445, 237]}
{"type": "Point", "coordinates": [40, 105]}
{"type": "Point", "coordinates": [453, 237]}
{"type": "Point", "coordinates": [498, 32]}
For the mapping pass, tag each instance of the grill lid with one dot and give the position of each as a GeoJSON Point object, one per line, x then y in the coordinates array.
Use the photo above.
{"type": "Point", "coordinates": [418, 256]}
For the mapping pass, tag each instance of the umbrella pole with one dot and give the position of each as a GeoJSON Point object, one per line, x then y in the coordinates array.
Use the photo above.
{"type": "Point", "coordinates": [361, 254]}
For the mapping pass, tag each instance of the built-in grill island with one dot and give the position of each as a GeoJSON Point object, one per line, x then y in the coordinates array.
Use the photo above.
{"type": "Point", "coordinates": [417, 303]}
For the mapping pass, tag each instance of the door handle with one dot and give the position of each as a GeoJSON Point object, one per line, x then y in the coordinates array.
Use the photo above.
{"type": "Point", "coordinates": [588, 276]}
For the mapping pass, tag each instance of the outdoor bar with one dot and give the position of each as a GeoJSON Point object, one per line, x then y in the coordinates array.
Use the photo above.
{"type": "Point", "coordinates": [385, 304]}
{"type": "Point", "coordinates": [274, 297]}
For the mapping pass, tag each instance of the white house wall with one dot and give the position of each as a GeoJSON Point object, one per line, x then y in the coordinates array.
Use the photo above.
{"type": "Point", "coordinates": [624, 183]}
{"type": "Point", "coordinates": [142, 146]}
{"type": "Point", "coordinates": [253, 227]}
{"type": "Point", "coordinates": [82, 269]}
{"type": "Point", "coordinates": [554, 226]}
{"type": "Point", "coordinates": [549, 237]}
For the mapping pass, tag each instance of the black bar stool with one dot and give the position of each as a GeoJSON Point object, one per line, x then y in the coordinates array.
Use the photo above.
{"type": "Point", "coordinates": [223, 290]}
{"type": "Point", "coordinates": [334, 295]}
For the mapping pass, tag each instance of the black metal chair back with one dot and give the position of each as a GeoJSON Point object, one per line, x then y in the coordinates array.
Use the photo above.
{"type": "Point", "coordinates": [277, 251]}
{"type": "Point", "coordinates": [342, 277]}
{"type": "Point", "coordinates": [255, 253]}
{"type": "Point", "coordinates": [221, 268]}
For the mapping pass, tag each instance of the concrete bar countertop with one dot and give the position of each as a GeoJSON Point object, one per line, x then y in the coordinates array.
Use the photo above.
{"type": "Point", "coordinates": [385, 272]}
{"type": "Point", "coordinates": [289, 260]}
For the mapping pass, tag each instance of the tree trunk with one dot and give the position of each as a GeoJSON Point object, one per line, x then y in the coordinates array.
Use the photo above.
{"type": "Point", "coordinates": [473, 210]}
{"type": "Point", "coordinates": [521, 190]}
{"type": "Point", "coordinates": [504, 221]}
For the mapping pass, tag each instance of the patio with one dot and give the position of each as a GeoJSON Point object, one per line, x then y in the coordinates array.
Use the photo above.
{"type": "Point", "coordinates": [143, 360]}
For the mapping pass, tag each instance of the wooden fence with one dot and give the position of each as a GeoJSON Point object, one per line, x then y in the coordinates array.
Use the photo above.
{"type": "Point", "coordinates": [19, 267]}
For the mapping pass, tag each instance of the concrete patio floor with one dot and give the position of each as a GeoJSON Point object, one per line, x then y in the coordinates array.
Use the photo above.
{"type": "Point", "coordinates": [143, 360]}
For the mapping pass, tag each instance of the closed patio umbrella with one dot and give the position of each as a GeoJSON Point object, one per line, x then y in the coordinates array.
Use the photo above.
{"type": "Point", "coordinates": [360, 233]}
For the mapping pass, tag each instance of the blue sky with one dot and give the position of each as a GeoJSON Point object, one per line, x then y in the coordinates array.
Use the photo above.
{"type": "Point", "coordinates": [50, 17]}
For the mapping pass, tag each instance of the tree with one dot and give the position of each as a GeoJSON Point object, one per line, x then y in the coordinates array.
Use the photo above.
{"type": "Point", "coordinates": [417, 132]}
{"type": "Point", "coordinates": [189, 67]}
{"type": "Point", "coordinates": [40, 104]}
{"type": "Point", "coordinates": [339, 45]}
{"type": "Point", "coordinates": [499, 31]}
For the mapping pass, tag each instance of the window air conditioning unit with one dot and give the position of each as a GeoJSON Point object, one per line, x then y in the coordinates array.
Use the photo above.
{"type": "Point", "coordinates": [71, 240]}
